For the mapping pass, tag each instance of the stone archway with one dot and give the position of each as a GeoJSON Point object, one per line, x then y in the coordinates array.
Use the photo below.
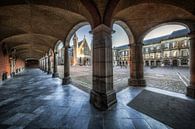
{"type": "Point", "coordinates": [174, 61]}
{"type": "Point", "coordinates": [55, 69]}
{"type": "Point", "coordinates": [121, 54]}
{"type": "Point", "coordinates": [74, 58]}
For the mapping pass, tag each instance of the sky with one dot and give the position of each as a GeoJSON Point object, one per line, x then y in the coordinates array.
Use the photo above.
{"type": "Point", "coordinates": [81, 32]}
{"type": "Point", "coordinates": [120, 37]}
{"type": "Point", "coordinates": [163, 30]}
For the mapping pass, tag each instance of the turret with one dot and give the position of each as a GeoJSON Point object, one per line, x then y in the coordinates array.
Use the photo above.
{"type": "Point", "coordinates": [75, 49]}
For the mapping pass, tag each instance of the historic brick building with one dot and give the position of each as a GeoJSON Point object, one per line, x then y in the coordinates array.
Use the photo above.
{"type": "Point", "coordinates": [80, 52]}
{"type": "Point", "coordinates": [170, 50]}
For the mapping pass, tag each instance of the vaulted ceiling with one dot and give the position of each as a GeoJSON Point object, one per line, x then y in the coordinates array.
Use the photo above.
{"type": "Point", "coordinates": [32, 27]}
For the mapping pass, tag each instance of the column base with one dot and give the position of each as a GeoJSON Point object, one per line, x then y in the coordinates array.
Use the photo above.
{"type": "Point", "coordinates": [49, 72]}
{"type": "Point", "coordinates": [137, 82]}
{"type": "Point", "coordinates": [103, 101]}
{"type": "Point", "coordinates": [66, 81]}
{"type": "Point", "coordinates": [55, 75]}
{"type": "Point", "coordinates": [191, 91]}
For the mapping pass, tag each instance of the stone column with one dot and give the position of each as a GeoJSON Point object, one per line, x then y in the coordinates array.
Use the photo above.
{"type": "Point", "coordinates": [149, 62]}
{"type": "Point", "coordinates": [42, 64]}
{"type": "Point", "coordinates": [191, 87]}
{"type": "Point", "coordinates": [45, 63]}
{"type": "Point", "coordinates": [179, 62]}
{"type": "Point", "coordinates": [136, 66]}
{"type": "Point", "coordinates": [66, 79]}
{"type": "Point", "coordinates": [55, 69]}
{"type": "Point", "coordinates": [155, 63]}
{"type": "Point", "coordinates": [102, 94]}
{"type": "Point", "coordinates": [12, 67]}
{"type": "Point", "coordinates": [49, 65]}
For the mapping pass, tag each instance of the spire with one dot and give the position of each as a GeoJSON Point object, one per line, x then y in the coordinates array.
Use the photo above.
{"type": "Point", "coordinates": [84, 38]}
{"type": "Point", "coordinates": [75, 36]}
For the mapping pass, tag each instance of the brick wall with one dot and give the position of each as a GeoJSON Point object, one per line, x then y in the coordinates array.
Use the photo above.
{"type": "Point", "coordinates": [20, 64]}
{"type": "Point", "coordinates": [5, 65]}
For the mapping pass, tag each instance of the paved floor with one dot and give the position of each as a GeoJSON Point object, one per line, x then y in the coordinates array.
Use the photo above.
{"type": "Point", "coordinates": [168, 78]}
{"type": "Point", "coordinates": [34, 100]}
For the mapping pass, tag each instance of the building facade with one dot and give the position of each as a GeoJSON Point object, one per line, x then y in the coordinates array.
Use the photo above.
{"type": "Point", "coordinates": [121, 55]}
{"type": "Point", "coordinates": [80, 52]}
{"type": "Point", "coordinates": [170, 50]}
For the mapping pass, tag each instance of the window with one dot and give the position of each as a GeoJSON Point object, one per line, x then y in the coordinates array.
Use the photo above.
{"type": "Point", "coordinates": [166, 45]}
{"type": "Point", "coordinates": [158, 47]}
{"type": "Point", "coordinates": [175, 54]}
{"type": "Point", "coordinates": [146, 49]}
{"type": "Point", "coordinates": [151, 48]}
{"type": "Point", "coordinates": [184, 53]}
{"type": "Point", "coordinates": [174, 44]}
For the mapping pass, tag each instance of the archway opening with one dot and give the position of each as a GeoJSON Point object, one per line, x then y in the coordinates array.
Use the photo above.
{"type": "Point", "coordinates": [79, 44]}
{"type": "Point", "coordinates": [166, 57]}
{"type": "Point", "coordinates": [59, 48]}
{"type": "Point", "coordinates": [80, 54]}
{"type": "Point", "coordinates": [121, 39]}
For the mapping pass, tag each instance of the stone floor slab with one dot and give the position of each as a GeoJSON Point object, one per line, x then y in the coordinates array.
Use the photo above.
{"type": "Point", "coordinates": [42, 102]}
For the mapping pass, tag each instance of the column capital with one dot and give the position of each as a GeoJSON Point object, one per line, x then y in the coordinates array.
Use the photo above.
{"type": "Point", "coordinates": [192, 35]}
{"type": "Point", "coordinates": [102, 27]}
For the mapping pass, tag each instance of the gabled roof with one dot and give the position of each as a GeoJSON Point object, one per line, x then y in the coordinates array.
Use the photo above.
{"type": "Point", "coordinates": [79, 43]}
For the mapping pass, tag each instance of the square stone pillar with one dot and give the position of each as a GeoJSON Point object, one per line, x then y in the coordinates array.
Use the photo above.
{"type": "Point", "coordinates": [191, 87]}
{"type": "Point", "coordinates": [66, 79]}
{"type": "Point", "coordinates": [42, 64]}
{"type": "Point", "coordinates": [55, 69]}
{"type": "Point", "coordinates": [136, 66]}
{"type": "Point", "coordinates": [46, 64]}
{"type": "Point", "coordinates": [49, 64]}
{"type": "Point", "coordinates": [102, 94]}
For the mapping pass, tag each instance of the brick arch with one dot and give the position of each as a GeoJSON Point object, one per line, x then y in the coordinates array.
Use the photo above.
{"type": "Point", "coordinates": [57, 45]}
{"type": "Point", "coordinates": [126, 29]}
{"type": "Point", "coordinates": [186, 5]}
{"type": "Point", "coordinates": [142, 16]}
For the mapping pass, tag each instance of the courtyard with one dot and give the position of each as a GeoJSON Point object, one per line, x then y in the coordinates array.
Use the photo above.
{"type": "Point", "coordinates": [173, 79]}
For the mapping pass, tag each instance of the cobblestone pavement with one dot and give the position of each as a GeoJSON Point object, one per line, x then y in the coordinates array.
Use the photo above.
{"type": "Point", "coordinates": [169, 78]}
